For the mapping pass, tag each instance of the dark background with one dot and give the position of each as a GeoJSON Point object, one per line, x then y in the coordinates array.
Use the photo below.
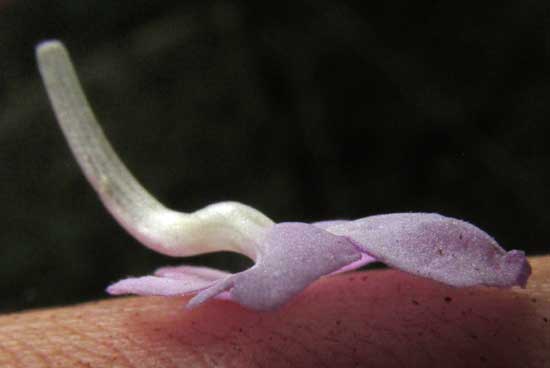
{"type": "Point", "coordinates": [307, 110]}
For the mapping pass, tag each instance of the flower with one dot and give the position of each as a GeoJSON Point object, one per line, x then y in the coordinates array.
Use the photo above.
{"type": "Point", "coordinates": [294, 255]}
{"type": "Point", "coordinates": [288, 256]}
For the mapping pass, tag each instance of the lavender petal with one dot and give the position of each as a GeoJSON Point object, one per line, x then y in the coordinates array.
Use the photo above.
{"type": "Point", "coordinates": [452, 251]}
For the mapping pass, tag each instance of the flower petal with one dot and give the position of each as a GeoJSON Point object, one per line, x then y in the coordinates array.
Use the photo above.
{"type": "Point", "coordinates": [441, 248]}
{"type": "Point", "coordinates": [363, 261]}
{"type": "Point", "coordinates": [329, 223]}
{"type": "Point", "coordinates": [295, 255]}
{"type": "Point", "coordinates": [169, 281]}
{"type": "Point", "coordinates": [365, 258]}
{"type": "Point", "coordinates": [193, 272]}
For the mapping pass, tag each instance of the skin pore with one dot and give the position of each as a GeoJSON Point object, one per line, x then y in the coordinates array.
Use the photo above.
{"type": "Point", "coordinates": [380, 318]}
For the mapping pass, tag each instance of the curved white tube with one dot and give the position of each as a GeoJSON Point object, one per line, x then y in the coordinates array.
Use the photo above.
{"type": "Point", "coordinates": [222, 226]}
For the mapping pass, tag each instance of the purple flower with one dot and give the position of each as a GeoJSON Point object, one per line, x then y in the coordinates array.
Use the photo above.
{"type": "Point", "coordinates": [288, 256]}
{"type": "Point", "coordinates": [296, 254]}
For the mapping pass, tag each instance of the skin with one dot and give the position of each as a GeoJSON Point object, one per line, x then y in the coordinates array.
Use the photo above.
{"type": "Point", "coordinates": [382, 318]}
